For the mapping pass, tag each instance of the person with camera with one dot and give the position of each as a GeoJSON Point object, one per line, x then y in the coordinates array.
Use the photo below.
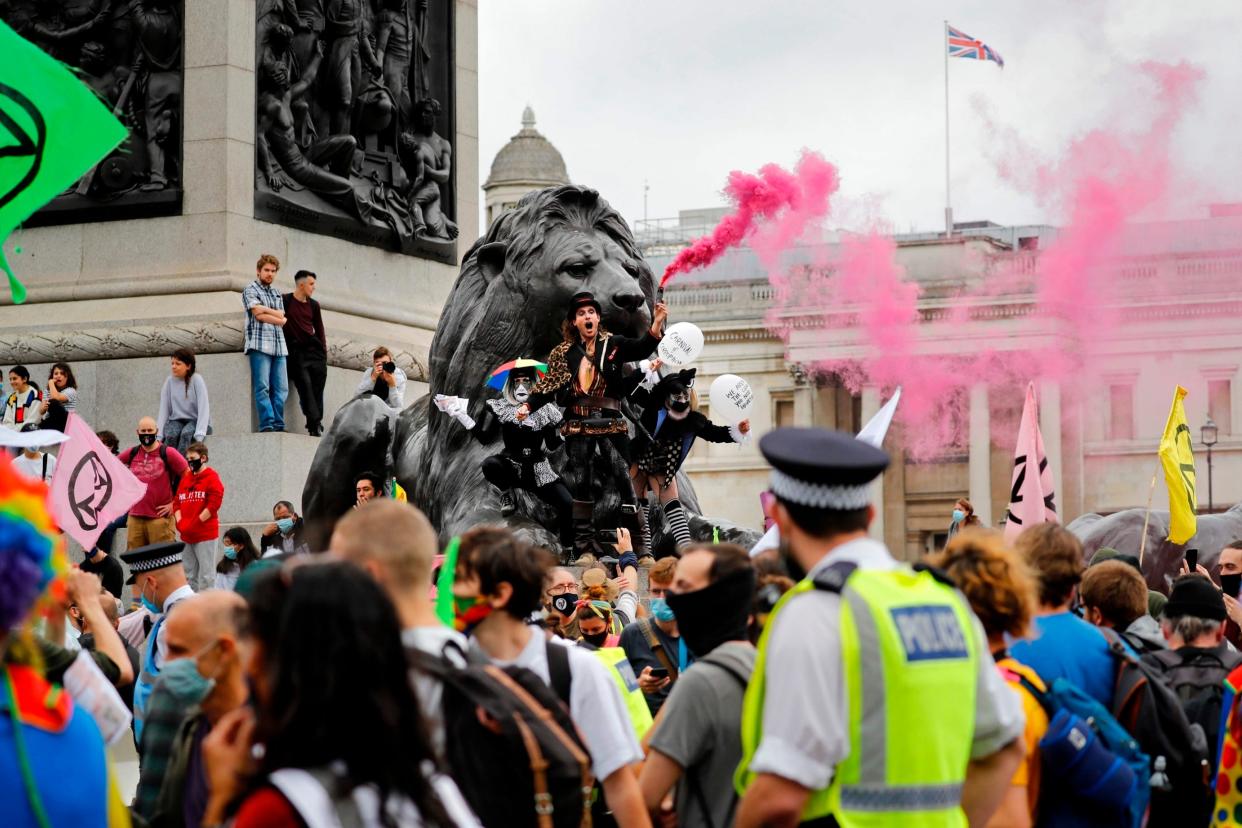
{"type": "Point", "coordinates": [384, 379]}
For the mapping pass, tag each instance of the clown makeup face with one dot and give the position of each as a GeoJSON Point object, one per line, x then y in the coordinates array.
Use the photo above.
{"type": "Point", "coordinates": [679, 402]}
{"type": "Point", "coordinates": [520, 386]}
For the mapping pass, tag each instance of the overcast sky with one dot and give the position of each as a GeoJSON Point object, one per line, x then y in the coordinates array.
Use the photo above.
{"type": "Point", "coordinates": [677, 93]}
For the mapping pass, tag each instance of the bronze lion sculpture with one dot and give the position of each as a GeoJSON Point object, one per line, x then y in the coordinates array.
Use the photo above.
{"type": "Point", "coordinates": [508, 302]}
{"type": "Point", "coordinates": [1123, 531]}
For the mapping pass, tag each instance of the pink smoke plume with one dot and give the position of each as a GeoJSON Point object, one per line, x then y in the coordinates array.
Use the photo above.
{"type": "Point", "coordinates": [773, 208]}
{"type": "Point", "coordinates": [1105, 180]}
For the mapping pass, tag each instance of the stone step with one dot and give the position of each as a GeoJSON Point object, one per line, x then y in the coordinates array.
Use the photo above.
{"type": "Point", "coordinates": [114, 394]}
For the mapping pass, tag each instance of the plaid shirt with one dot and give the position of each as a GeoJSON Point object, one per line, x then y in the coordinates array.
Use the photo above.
{"type": "Point", "coordinates": [263, 337]}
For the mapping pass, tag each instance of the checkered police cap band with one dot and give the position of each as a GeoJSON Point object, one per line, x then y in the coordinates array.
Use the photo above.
{"type": "Point", "coordinates": [842, 498]}
{"type": "Point", "coordinates": [157, 563]}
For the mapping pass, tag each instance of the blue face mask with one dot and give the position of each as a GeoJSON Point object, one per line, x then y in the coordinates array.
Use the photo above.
{"type": "Point", "coordinates": [285, 525]}
{"type": "Point", "coordinates": [183, 674]}
{"type": "Point", "coordinates": [150, 607]}
{"type": "Point", "coordinates": [958, 515]}
{"type": "Point", "coordinates": [230, 552]}
{"type": "Point", "coordinates": [661, 610]}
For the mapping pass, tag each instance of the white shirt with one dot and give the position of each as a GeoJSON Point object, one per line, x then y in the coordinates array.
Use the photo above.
{"type": "Point", "coordinates": [227, 580]}
{"type": "Point", "coordinates": [438, 641]}
{"type": "Point", "coordinates": [396, 393]}
{"type": "Point", "coordinates": [314, 805]}
{"type": "Point", "coordinates": [595, 703]}
{"type": "Point", "coordinates": [805, 706]}
{"type": "Point", "coordinates": [32, 467]}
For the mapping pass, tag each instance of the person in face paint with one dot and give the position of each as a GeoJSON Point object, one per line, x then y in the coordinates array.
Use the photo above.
{"type": "Point", "coordinates": [202, 680]}
{"type": "Point", "coordinates": [159, 582]}
{"type": "Point", "coordinates": [527, 436]}
{"type": "Point", "coordinates": [670, 426]}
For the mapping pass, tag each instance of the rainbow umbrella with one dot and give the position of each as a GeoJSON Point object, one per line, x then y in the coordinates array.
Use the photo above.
{"type": "Point", "coordinates": [501, 375]}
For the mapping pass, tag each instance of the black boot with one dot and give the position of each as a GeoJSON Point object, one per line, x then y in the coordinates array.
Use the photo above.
{"type": "Point", "coordinates": [508, 505]}
{"type": "Point", "coordinates": [584, 531]}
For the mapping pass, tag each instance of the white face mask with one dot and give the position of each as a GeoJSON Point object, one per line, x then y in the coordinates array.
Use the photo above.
{"type": "Point", "coordinates": [521, 392]}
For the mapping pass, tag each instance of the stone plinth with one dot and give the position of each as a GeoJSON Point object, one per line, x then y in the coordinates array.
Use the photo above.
{"type": "Point", "coordinates": [114, 299]}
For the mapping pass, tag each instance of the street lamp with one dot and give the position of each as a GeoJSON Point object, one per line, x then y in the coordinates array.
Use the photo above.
{"type": "Point", "coordinates": [1207, 435]}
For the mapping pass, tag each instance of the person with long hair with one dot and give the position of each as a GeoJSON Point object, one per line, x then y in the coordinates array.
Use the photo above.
{"type": "Point", "coordinates": [185, 413]}
{"type": "Point", "coordinates": [239, 553]}
{"type": "Point", "coordinates": [334, 713]}
{"type": "Point", "coordinates": [1002, 593]}
{"type": "Point", "coordinates": [60, 398]}
{"type": "Point", "coordinates": [964, 517]}
{"type": "Point", "coordinates": [21, 408]}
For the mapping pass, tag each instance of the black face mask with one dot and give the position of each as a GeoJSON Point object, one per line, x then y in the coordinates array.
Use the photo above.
{"type": "Point", "coordinates": [597, 639]}
{"type": "Point", "coordinates": [195, 465]}
{"type": "Point", "coordinates": [678, 405]}
{"type": "Point", "coordinates": [792, 566]}
{"type": "Point", "coordinates": [146, 439]}
{"type": "Point", "coordinates": [708, 617]}
{"type": "Point", "coordinates": [564, 603]}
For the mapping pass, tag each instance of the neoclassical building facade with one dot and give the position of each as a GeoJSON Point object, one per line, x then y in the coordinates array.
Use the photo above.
{"type": "Point", "coordinates": [1177, 307]}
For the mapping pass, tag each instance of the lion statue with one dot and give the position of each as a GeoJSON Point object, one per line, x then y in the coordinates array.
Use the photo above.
{"type": "Point", "coordinates": [1162, 560]}
{"type": "Point", "coordinates": [508, 302]}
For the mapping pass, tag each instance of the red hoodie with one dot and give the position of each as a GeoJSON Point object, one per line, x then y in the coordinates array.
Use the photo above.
{"type": "Point", "coordinates": [197, 492]}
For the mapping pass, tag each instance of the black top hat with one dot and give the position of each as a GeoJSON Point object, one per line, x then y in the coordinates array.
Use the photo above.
{"type": "Point", "coordinates": [581, 300]}
{"type": "Point", "coordinates": [152, 557]}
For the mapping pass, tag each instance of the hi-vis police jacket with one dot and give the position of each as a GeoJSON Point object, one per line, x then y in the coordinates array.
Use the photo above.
{"type": "Point", "coordinates": [876, 696]}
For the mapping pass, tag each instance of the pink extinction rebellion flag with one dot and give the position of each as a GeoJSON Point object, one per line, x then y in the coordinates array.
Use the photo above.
{"type": "Point", "coordinates": [90, 487]}
{"type": "Point", "coordinates": [1031, 497]}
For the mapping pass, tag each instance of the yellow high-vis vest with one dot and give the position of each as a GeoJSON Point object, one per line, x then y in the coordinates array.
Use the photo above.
{"type": "Point", "coordinates": [910, 660]}
{"type": "Point", "coordinates": [622, 673]}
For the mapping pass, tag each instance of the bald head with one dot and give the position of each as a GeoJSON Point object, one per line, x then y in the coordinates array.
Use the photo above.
{"type": "Point", "coordinates": [391, 539]}
{"type": "Point", "coordinates": [198, 621]}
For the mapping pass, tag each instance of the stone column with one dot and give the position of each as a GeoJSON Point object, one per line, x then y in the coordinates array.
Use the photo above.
{"type": "Point", "coordinates": [1050, 428]}
{"type": "Point", "coordinates": [870, 405]}
{"type": "Point", "coordinates": [980, 454]}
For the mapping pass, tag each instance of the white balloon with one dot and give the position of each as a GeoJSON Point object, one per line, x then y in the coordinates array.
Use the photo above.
{"type": "Point", "coordinates": [681, 345]}
{"type": "Point", "coordinates": [731, 398]}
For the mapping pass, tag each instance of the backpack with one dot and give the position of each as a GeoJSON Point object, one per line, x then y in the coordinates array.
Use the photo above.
{"type": "Point", "coordinates": [1092, 772]}
{"type": "Point", "coordinates": [174, 480]}
{"type": "Point", "coordinates": [510, 744]}
{"type": "Point", "coordinates": [1152, 713]}
{"type": "Point", "coordinates": [1198, 676]}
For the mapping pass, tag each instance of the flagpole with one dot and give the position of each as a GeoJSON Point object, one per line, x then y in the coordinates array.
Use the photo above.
{"type": "Point", "coordinates": [1147, 517]}
{"type": "Point", "coordinates": [948, 202]}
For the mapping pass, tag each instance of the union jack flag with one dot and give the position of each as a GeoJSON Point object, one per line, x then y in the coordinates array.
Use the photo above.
{"type": "Point", "coordinates": [963, 45]}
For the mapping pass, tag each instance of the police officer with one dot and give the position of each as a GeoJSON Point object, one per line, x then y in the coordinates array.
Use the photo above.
{"type": "Point", "coordinates": [159, 580]}
{"type": "Point", "coordinates": [874, 699]}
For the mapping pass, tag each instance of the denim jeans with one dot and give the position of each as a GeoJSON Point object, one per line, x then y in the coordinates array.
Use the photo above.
{"type": "Point", "coordinates": [179, 434]}
{"type": "Point", "coordinates": [270, 387]}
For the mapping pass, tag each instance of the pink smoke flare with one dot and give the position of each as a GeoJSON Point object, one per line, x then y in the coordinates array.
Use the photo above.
{"type": "Point", "coordinates": [775, 208]}
{"type": "Point", "coordinates": [1103, 183]}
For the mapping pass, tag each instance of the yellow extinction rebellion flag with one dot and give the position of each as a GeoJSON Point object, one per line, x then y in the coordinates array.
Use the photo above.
{"type": "Point", "coordinates": [1178, 458]}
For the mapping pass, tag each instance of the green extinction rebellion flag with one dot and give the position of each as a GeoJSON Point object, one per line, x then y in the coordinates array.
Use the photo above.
{"type": "Point", "coordinates": [52, 130]}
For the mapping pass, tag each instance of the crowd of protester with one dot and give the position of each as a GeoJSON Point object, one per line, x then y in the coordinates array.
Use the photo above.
{"type": "Point", "coordinates": [389, 681]}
